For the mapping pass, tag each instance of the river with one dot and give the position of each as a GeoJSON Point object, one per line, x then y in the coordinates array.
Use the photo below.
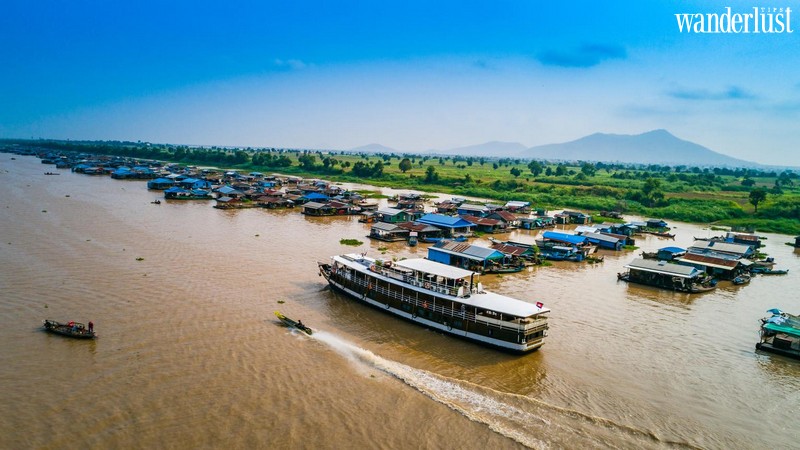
{"type": "Point", "coordinates": [190, 355]}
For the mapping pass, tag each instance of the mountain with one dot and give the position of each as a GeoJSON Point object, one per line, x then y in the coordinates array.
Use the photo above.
{"type": "Point", "coordinates": [653, 147]}
{"type": "Point", "coordinates": [373, 148]}
{"type": "Point", "coordinates": [492, 149]}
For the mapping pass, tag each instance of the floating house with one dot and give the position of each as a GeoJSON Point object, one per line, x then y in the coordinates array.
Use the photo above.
{"type": "Point", "coordinates": [228, 191]}
{"type": "Point", "coordinates": [509, 220]}
{"type": "Point", "coordinates": [318, 209]}
{"type": "Point", "coordinates": [485, 225]}
{"type": "Point", "coordinates": [742, 238]}
{"type": "Point", "coordinates": [160, 184]}
{"type": "Point", "coordinates": [388, 232]}
{"type": "Point", "coordinates": [722, 268]}
{"type": "Point", "coordinates": [575, 217]}
{"type": "Point", "coordinates": [228, 203]}
{"type": "Point", "coordinates": [177, 193]}
{"type": "Point", "coordinates": [665, 275]}
{"type": "Point", "coordinates": [518, 207]}
{"type": "Point", "coordinates": [272, 202]}
{"type": "Point", "coordinates": [418, 206]}
{"type": "Point", "coordinates": [451, 226]}
{"type": "Point", "coordinates": [394, 215]}
{"type": "Point", "coordinates": [424, 232]}
{"type": "Point", "coordinates": [564, 238]}
{"type": "Point", "coordinates": [605, 241]}
{"type": "Point", "coordinates": [447, 207]}
{"type": "Point", "coordinates": [657, 224]}
{"type": "Point", "coordinates": [313, 197]}
{"type": "Point", "coordinates": [468, 209]}
{"type": "Point", "coordinates": [724, 248]}
{"type": "Point", "coordinates": [558, 246]}
{"type": "Point", "coordinates": [670, 253]}
{"type": "Point", "coordinates": [516, 254]}
{"type": "Point", "coordinates": [536, 222]}
{"type": "Point", "coordinates": [628, 229]}
{"type": "Point", "coordinates": [466, 256]}
{"type": "Point", "coordinates": [194, 183]}
{"type": "Point", "coordinates": [555, 252]}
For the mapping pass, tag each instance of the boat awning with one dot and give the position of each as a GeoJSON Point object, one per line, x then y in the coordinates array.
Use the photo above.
{"type": "Point", "coordinates": [434, 268]}
{"type": "Point", "coordinates": [788, 329]}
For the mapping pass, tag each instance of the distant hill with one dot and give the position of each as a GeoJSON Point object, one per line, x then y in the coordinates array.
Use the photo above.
{"type": "Point", "coordinates": [492, 149]}
{"type": "Point", "coordinates": [374, 148]}
{"type": "Point", "coordinates": [653, 147]}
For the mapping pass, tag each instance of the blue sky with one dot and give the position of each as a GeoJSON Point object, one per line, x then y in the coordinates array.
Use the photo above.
{"type": "Point", "coordinates": [411, 75]}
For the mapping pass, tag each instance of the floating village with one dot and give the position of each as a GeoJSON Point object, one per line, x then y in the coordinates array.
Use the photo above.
{"type": "Point", "coordinates": [443, 290]}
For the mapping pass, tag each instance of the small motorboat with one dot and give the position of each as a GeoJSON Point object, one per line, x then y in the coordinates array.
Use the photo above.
{"type": "Point", "coordinates": [294, 324]}
{"type": "Point", "coordinates": [70, 329]}
{"type": "Point", "coordinates": [741, 279]}
{"type": "Point", "coordinates": [768, 271]}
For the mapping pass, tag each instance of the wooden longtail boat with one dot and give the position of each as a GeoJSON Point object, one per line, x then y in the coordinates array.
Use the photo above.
{"type": "Point", "coordinates": [70, 329]}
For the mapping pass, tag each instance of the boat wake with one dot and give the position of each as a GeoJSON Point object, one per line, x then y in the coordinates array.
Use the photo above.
{"type": "Point", "coordinates": [531, 422]}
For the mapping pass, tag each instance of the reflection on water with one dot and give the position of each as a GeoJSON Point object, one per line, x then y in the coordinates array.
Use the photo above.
{"type": "Point", "coordinates": [179, 293]}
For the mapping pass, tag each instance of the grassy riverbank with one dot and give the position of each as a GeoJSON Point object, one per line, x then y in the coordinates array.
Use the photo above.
{"type": "Point", "coordinates": [763, 200]}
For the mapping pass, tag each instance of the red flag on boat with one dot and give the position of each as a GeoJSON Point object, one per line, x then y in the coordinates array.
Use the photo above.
{"type": "Point", "coordinates": [539, 304]}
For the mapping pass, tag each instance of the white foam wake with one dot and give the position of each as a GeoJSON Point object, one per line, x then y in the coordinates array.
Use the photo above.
{"type": "Point", "coordinates": [529, 421]}
{"type": "Point", "coordinates": [501, 417]}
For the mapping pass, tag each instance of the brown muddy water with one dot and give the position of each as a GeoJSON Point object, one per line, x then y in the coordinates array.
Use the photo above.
{"type": "Point", "coordinates": [190, 355]}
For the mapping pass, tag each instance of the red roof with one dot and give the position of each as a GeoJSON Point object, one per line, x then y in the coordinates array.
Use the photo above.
{"type": "Point", "coordinates": [507, 216]}
{"type": "Point", "coordinates": [700, 259]}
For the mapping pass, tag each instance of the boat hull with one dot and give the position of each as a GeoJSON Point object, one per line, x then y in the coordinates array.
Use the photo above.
{"type": "Point", "coordinates": [767, 347]}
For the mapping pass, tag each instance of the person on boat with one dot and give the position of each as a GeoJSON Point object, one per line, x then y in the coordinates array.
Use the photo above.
{"type": "Point", "coordinates": [300, 324]}
{"type": "Point", "coordinates": [91, 326]}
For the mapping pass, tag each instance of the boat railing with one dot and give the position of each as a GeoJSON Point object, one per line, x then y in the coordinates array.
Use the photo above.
{"type": "Point", "coordinates": [465, 314]}
{"type": "Point", "coordinates": [430, 285]}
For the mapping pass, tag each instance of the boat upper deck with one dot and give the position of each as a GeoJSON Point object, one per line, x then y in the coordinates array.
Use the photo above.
{"type": "Point", "coordinates": [783, 323]}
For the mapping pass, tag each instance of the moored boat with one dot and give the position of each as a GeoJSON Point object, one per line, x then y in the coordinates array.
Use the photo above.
{"type": "Point", "coordinates": [780, 333]}
{"type": "Point", "coordinates": [441, 297]}
{"type": "Point", "coordinates": [504, 269]}
{"type": "Point", "coordinates": [294, 323]}
{"type": "Point", "coordinates": [70, 329]}
{"type": "Point", "coordinates": [667, 276]}
{"type": "Point", "coordinates": [768, 271]}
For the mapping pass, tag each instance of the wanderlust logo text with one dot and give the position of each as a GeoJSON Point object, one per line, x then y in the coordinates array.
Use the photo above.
{"type": "Point", "coordinates": [757, 20]}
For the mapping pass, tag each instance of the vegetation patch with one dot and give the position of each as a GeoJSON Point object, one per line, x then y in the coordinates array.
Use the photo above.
{"type": "Point", "coordinates": [353, 242]}
{"type": "Point", "coordinates": [762, 199]}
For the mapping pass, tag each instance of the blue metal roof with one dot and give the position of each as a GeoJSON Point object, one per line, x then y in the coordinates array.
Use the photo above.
{"type": "Point", "coordinates": [315, 195]}
{"type": "Point", "coordinates": [440, 220]}
{"type": "Point", "coordinates": [564, 237]}
{"type": "Point", "coordinates": [672, 249]}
